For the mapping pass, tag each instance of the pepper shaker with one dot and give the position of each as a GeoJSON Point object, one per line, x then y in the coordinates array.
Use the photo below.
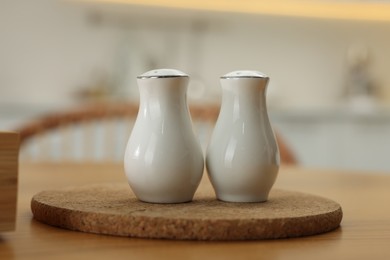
{"type": "Point", "coordinates": [163, 159]}
{"type": "Point", "coordinates": [243, 156]}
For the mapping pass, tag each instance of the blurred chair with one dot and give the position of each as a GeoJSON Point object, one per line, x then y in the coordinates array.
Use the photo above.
{"type": "Point", "coordinates": [99, 132]}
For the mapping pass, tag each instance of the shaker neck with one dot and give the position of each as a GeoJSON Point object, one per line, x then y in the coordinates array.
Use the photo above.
{"type": "Point", "coordinates": [247, 89]}
{"type": "Point", "coordinates": [169, 89]}
{"type": "Point", "coordinates": [244, 99]}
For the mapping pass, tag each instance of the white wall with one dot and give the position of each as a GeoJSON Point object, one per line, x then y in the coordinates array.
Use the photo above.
{"type": "Point", "coordinates": [306, 59]}
{"type": "Point", "coordinates": [49, 49]}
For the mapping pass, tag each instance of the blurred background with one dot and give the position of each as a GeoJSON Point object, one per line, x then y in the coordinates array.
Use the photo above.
{"type": "Point", "coordinates": [328, 61]}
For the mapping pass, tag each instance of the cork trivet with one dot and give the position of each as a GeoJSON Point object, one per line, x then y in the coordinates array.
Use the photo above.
{"type": "Point", "coordinates": [113, 209]}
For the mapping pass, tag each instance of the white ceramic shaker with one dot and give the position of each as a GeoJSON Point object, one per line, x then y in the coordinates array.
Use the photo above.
{"type": "Point", "coordinates": [243, 155]}
{"type": "Point", "coordinates": [163, 159]}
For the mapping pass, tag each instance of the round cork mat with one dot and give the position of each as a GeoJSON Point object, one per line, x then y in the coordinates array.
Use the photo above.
{"type": "Point", "coordinates": [113, 209]}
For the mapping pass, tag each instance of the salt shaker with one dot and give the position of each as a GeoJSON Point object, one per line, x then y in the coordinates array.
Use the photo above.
{"type": "Point", "coordinates": [163, 159]}
{"type": "Point", "coordinates": [243, 156]}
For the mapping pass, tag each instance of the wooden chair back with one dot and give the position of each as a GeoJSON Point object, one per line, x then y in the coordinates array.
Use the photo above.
{"type": "Point", "coordinates": [100, 131]}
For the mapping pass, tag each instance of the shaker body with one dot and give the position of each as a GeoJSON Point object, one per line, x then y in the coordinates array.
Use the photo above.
{"type": "Point", "coordinates": [243, 156]}
{"type": "Point", "coordinates": [163, 159]}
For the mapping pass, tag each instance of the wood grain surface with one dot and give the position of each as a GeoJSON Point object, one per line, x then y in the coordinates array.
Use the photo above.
{"type": "Point", "coordinates": [9, 150]}
{"type": "Point", "coordinates": [364, 231]}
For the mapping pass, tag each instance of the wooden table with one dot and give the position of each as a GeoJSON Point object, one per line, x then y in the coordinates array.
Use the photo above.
{"type": "Point", "coordinates": [364, 232]}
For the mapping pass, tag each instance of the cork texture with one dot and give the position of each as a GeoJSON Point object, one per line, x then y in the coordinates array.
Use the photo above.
{"type": "Point", "coordinates": [112, 209]}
